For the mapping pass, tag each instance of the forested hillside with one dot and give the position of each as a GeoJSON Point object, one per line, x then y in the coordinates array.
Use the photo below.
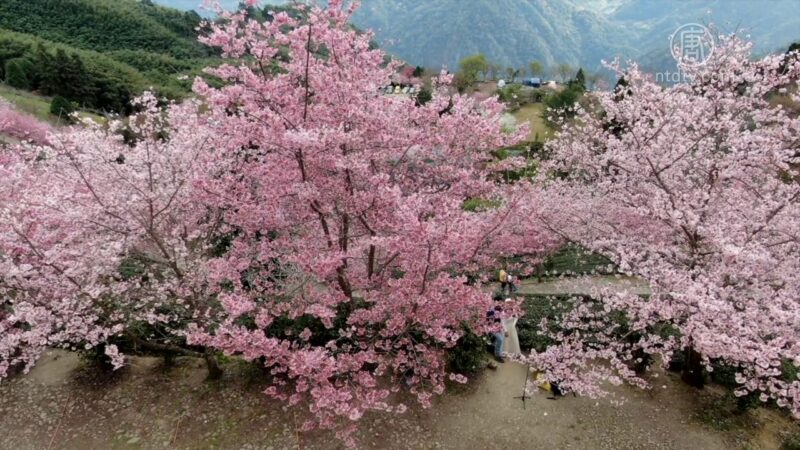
{"type": "Point", "coordinates": [89, 79]}
{"type": "Point", "coordinates": [105, 25]}
{"type": "Point", "coordinates": [98, 54]}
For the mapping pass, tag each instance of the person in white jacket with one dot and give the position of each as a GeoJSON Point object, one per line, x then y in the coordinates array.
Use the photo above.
{"type": "Point", "coordinates": [511, 343]}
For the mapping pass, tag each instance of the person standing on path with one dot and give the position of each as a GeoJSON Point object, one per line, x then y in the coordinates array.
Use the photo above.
{"type": "Point", "coordinates": [503, 277]}
{"type": "Point", "coordinates": [511, 341]}
{"type": "Point", "coordinates": [512, 288]}
{"type": "Point", "coordinates": [498, 336]}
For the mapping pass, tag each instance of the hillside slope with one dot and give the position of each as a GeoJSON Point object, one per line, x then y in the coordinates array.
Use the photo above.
{"type": "Point", "coordinates": [98, 54]}
{"type": "Point", "coordinates": [105, 25]}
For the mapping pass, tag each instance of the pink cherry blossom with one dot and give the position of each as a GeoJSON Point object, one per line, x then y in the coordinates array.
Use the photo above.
{"type": "Point", "coordinates": [346, 206]}
{"type": "Point", "coordinates": [693, 188]}
{"type": "Point", "coordinates": [295, 217]}
{"type": "Point", "coordinates": [21, 126]}
{"type": "Point", "coordinates": [74, 212]}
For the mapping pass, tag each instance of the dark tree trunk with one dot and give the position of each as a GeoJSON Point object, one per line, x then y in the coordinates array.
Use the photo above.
{"type": "Point", "coordinates": [693, 371]}
{"type": "Point", "coordinates": [640, 367]}
{"type": "Point", "coordinates": [214, 371]}
{"type": "Point", "coordinates": [169, 359]}
{"type": "Point", "coordinates": [169, 351]}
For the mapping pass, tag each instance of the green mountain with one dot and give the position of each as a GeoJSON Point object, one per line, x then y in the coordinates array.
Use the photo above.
{"type": "Point", "coordinates": [578, 32]}
{"type": "Point", "coordinates": [106, 25]}
{"type": "Point", "coordinates": [508, 32]}
{"type": "Point", "coordinates": [771, 26]}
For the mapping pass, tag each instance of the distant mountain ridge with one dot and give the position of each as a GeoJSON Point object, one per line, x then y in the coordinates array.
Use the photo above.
{"type": "Point", "coordinates": [509, 32]}
{"type": "Point", "coordinates": [577, 32]}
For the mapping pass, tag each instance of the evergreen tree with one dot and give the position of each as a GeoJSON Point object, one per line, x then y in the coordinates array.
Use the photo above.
{"type": "Point", "coordinates": [17, 73]}
{"type": "Point", "coordinates": [580, 80]}
{"type": "Point", "coordinates": [76, 76]}
{"type": "Point", "coordinates": [61, 67]}
{"type": "Point", "coordinates": [61, 108]}
{"type": "Point", "coordinates": [425, 95]}
{"type": "Point", "coordinates": [44, 80]}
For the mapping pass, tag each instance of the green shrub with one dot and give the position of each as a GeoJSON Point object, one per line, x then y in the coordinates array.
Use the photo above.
{"type": "Point", "coordinates": [719, 412]}
{"type": "Point", "coordinates": [748, 402]}
{"type": "Point", "coordinates": [574, 260]}
{"type": "Point", "coordinates": [789, 371]}
{"type": "Point", "coordinates": [538, 307]}
{"type": "Point", "coordinates": [510, 93]}
{"type": "Point", "coordinates": [791, 442]}
{"type": "Point", "coordinates": [479, 204]}
{"type": "Point", "coordinates": [468, 354]}
{"type": "Point", "coordinates": [562, 103]}
{"type": "Point", "coordinates": [537, 96]}
{"type": "Point", "coordinates": [724, 374]}
{"type": "Point", "coordinates": [130, 268]}
{"type": "Point", "coordinates": [424, 96]}
{"type": "Point", "coordinates": [61, 108]}
{"type": "Point", "coordinates": [97, 358]}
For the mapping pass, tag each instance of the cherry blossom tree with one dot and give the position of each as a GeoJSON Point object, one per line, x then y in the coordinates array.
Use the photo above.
{"type": "Point", "coordinates": [99, 238]}
{"type": "Point", "coordinates": [694, 188]}
{"type": "Point", "coordinates": [344, 272]}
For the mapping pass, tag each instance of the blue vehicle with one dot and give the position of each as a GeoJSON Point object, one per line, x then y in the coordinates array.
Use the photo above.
{"type": "Point", "coordinates": [533, 82]}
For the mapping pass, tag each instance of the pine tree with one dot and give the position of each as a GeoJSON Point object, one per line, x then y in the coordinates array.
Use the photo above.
{"type": "Point", "coordinates": [580, 80]}
{"type": "Point", "coordinates": [17, 73]}
{"type": "Point", "coordinates": [61, 108]}
{"type": "Point", "coordinates": [43, 79]}
{"type": "Point", "coordinates": [80, 81]}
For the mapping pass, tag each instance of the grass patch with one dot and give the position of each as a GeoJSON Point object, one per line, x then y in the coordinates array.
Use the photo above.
{"type": "Point", "coordinates": [532, 113]}
{"type": "Point", "coordinates": [38, 106]}
{"type": "Point", "coordinates": [571, 260]}
{"type": "Point", "coordinates": [27, 102]}
{"type": "Point", "coordinates": [538, 307]}
{"type": "Point", "coordinates": [720, 412]}
{"type": "Point", "coordinates": [791, 442]}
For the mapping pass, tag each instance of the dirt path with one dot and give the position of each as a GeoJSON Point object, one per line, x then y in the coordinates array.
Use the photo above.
{"type": "Point", "coordinates": [585, 285]}
{"type": "Point", "coordinates": [487, 416]}
{"type": "Point", "coordinates": [63, 405]}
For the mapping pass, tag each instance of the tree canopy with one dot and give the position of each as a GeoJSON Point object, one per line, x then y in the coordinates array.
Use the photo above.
{"type": "Point", "coordinates": [693, 188]}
